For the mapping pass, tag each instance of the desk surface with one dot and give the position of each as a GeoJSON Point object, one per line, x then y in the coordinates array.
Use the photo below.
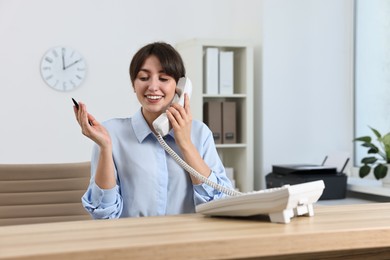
{"type": "Point", "coordinates": [337, 231]}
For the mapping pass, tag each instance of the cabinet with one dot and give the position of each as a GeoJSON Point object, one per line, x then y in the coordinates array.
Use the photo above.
{"type": "Point", "coordinates": [239, 155]}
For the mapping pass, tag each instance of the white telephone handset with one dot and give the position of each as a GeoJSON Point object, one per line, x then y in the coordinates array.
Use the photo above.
{"type": "Point", "coordinates": [161, 124]}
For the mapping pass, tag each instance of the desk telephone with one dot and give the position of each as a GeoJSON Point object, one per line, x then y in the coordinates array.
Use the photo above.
{"type": "Point", "coordinates": [280, 204]}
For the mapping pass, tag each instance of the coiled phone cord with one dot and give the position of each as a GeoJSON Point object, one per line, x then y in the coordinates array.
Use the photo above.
{"type": "Point", "coordinates": [192, 171]}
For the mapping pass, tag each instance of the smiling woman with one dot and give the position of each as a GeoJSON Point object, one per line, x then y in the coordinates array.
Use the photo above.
{"type": "Point", "coordinates": [154, 88]}
{"type": "Point", "coordinates": [131, 174]}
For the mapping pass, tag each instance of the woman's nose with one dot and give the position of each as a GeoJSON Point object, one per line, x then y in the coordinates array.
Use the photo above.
{"type": "Point", "coordinates": [153, 84]}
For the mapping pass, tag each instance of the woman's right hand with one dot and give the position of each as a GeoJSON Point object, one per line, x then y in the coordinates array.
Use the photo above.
{"type": "Point", "coordinates": [91, 128]}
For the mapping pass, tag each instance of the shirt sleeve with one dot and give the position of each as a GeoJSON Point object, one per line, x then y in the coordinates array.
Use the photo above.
{"type": "Point", "coordinates": [203, 192]}
{"type": "Point", "coordinates": [101, 203]}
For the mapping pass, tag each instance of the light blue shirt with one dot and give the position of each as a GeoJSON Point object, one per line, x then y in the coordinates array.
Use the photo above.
{"type": "Point", "coordinates": [149, 180]}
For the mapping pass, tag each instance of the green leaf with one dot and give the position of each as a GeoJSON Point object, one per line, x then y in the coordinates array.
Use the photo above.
{"type": "Point", "coordinates": [366, 139]}
{"type": "Point", "coordinates": [380, 171]}
{"type": "Point", "coordinates": [385, 139]}
{"type": "Point", "coordinates": [373, 150]}
{"type": "Point", "coordinates": [386, 143]}
{"type": "Point", "coordinates": [364, 171]}
{"type": "Point", "coordinates": [378, 135]}
{"type": "Point", "coordinates": [369, 160]}
{"type": "Point", "coordinates": [370, 145]}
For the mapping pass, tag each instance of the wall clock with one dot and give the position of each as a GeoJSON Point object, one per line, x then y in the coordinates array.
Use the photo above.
{"type": "Point", "coordinates": [63, 68]}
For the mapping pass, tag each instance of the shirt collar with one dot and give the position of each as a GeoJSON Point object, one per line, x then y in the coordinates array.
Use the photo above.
{"type": "Point", "coordinates": [141, 127]}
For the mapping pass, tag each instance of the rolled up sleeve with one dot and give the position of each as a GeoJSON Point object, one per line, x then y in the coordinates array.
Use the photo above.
{"type": "Point", "coordinates": [204, 193]}
{"type": "Point", "coordinates": [102, 203]}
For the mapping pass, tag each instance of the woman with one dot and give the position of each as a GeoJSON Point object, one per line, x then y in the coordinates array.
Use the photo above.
{"type": "Point", "coordinates": [132, 175]}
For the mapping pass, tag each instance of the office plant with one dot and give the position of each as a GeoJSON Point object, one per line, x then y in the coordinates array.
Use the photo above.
{"type": "Point", "coordinates": [378, 156]}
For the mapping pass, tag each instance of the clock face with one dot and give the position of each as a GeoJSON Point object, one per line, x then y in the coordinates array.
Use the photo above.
{"type": "Point", "coordinates": [63, 68]}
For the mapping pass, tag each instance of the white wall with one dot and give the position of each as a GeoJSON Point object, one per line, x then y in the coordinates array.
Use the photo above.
{"type": "Point", "coordinates": [37, 123]}
{"type": "Point", "coordinates": [307, 96]}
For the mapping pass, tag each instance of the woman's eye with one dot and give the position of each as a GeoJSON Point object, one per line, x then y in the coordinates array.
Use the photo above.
{"type": "Point", "coordinates": [164, 79]}
{"type": "Point", "coordinates": [143, 78]}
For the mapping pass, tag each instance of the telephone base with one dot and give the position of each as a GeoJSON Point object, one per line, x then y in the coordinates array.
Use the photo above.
{"type": "Point", "coordinates": [286, 215]}
{"type": "Point", "coordinates": [280, 204]}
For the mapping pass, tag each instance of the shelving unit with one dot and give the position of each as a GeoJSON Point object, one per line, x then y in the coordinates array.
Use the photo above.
{"type": "Point", "coordinates": [239, 155]}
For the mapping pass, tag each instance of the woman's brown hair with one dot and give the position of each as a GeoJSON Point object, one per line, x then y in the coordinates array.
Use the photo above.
{"type": "Point", "coordinates": [170, 60]}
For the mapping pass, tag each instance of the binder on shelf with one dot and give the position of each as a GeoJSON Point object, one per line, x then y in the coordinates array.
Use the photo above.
{"type": "Point", "coordinates": [211, 70]}
{"type": "Point", "coordinates": [213, 118]}
{"type": "Point", "coordinates": [229, 132]}
{"type": "Point", "coordinates": [226, 72]}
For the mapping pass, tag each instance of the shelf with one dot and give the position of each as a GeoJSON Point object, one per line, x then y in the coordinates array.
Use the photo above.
{"type": "Point", "coordinates": [225, 96]}
{"type": "Point", "coordinates": [367, 186]}
{"type": "Point", "coordinates": [238, 156]}
{"type": "Point", "coordinates": [230, 145]}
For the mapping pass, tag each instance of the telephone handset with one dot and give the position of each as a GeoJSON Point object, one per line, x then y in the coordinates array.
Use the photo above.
{"type": "Point", "coordinates": [161, 124]}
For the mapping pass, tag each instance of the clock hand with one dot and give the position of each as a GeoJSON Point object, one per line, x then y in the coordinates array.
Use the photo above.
{"type": "Point", "coordinates": [63, 59]}
{"type": "Point", "coordinates": [73, 63]}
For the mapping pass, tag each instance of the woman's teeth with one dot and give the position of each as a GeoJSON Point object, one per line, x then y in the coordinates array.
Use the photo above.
{"type": "Point", "coordinates": [154, 97]}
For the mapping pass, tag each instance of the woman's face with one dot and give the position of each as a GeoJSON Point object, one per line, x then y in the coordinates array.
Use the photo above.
{"type": "Point", "coordinates": [155, 89]}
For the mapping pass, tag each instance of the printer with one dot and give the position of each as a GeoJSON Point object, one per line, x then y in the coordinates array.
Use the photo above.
{"type": "Point", "coordinates": [334, 179]}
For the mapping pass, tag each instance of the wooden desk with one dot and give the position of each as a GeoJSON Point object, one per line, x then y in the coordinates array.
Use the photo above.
{"type": "Point", "coordinates": [349, 231]}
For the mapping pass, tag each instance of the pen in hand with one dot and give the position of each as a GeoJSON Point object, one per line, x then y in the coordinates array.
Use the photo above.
{"type": "Point", "coordinates": [77, 107]}
{"type": "Point", "coordinates": [75, 103]}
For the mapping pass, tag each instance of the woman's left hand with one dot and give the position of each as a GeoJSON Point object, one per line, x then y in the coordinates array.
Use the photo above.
{"type": "Point", "coordinates": [181, 121]}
